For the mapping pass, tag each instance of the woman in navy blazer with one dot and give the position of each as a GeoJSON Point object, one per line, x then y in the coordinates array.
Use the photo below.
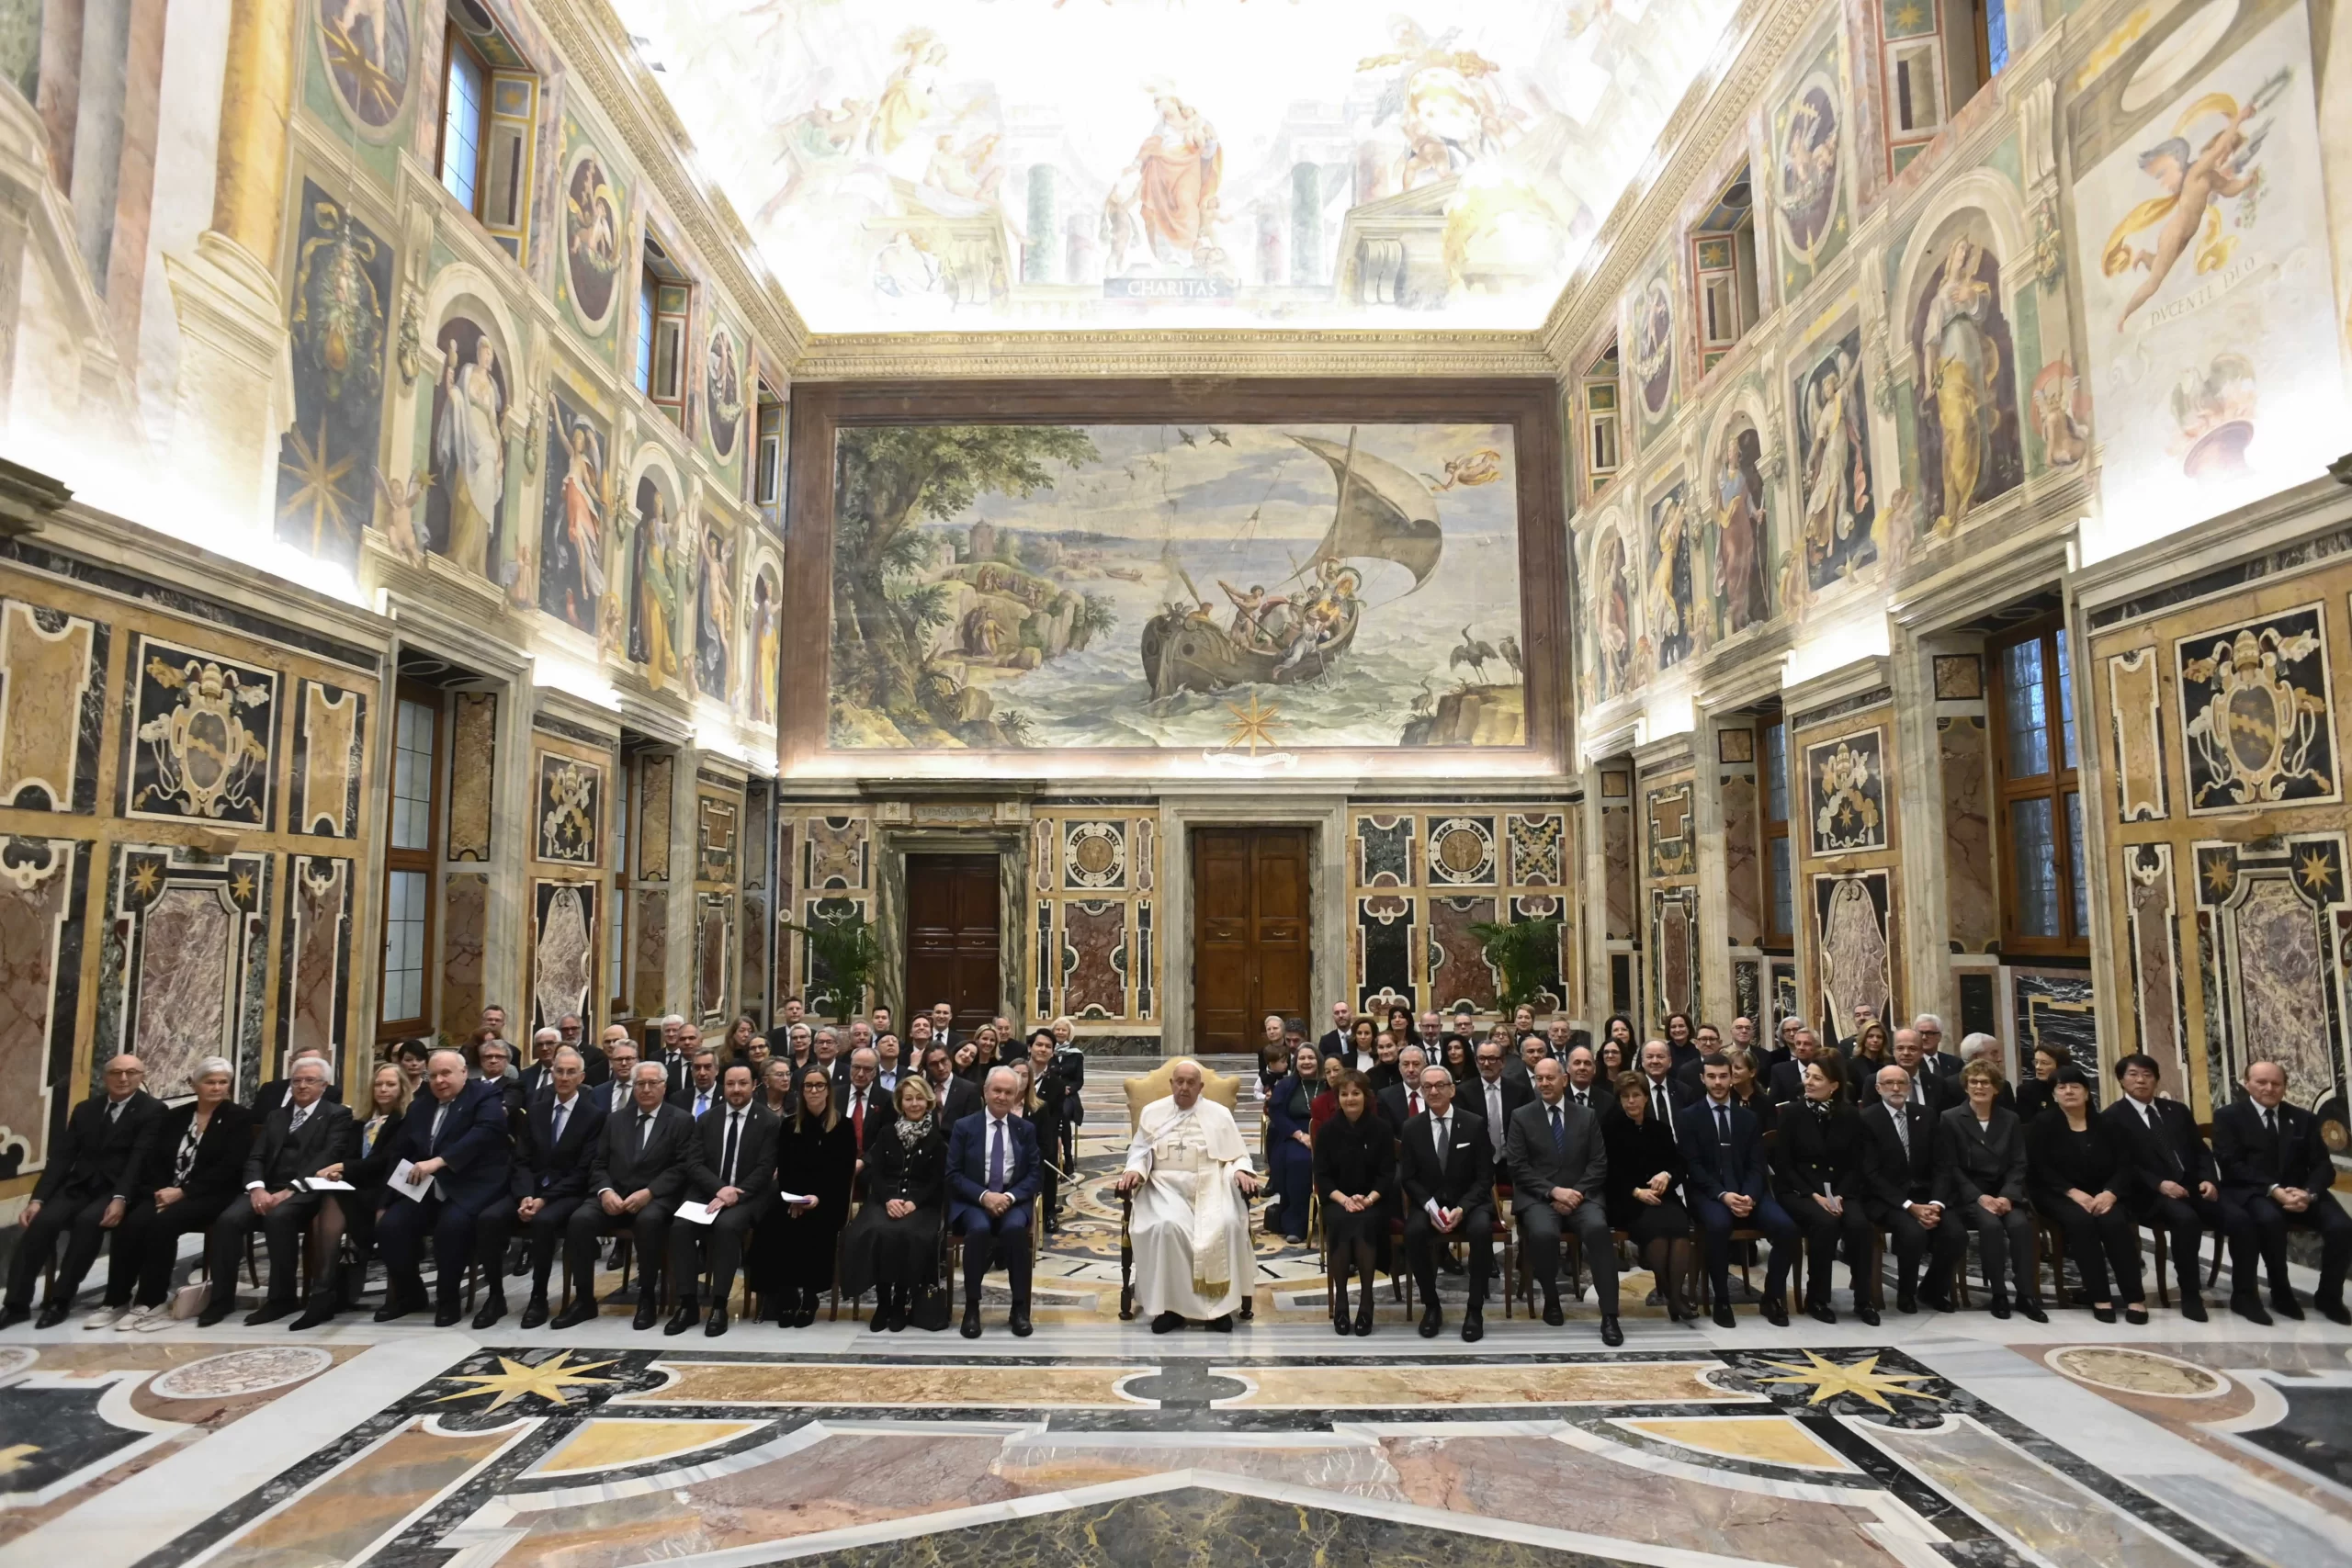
{"type": "Point", "coordinates": [1290, 1146]}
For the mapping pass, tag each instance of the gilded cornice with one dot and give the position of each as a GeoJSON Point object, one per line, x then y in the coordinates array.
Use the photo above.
{"type": "Point", "coordinates": [846, 356]}
{"type": "Point", "coordinates": [597, 53]}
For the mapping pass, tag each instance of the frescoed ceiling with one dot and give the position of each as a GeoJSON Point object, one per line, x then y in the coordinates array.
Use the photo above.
{"type": "Point", "coordinates": [984, 165]}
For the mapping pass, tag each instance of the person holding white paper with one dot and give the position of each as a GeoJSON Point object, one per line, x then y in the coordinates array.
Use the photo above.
{"type": "Point", "coordinates": [299, 1139]}
{"type": "Point", "coordinates": [792, 1255]}
{"type": "Point", "coordinates": [731, 1171]}
{"type": "Point", "coordinates": [456, 1137]}
{"type": "Point", "coordinates": [637, 1174]}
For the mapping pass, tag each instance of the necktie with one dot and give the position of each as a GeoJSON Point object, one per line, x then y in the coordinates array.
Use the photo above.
{"type": "Point", "coordinates": [857, 1121]}
{"type": "Point", "coordinates": [563, 1110]}
{"type": "Point", "coordinates": [1559, 1132]}
{"type": "Point", "coordinates": [1902, 1130]}
{"type": "Point", "coordinates": [996, 1154]}
{"type": "Point", "coordinates": [644, 1129]}
{"type": "Point", "coordinates": [114, 1112]}
{"type": "Point", "coordinates": [1438, 1127]}
{"type": "Point", "coordinates": [1723, 1123]}
{"type": "Point", "coordinates": [1494, 1113]}
{"type": "Point", "coordinates": [1413, 1103]}
{"type": "Point", "coordinates": [727, 1159]}
{"type": "Point", "coordinates": [701, 1103]}
{"type": "Point", "coordinates": [440, 1114]}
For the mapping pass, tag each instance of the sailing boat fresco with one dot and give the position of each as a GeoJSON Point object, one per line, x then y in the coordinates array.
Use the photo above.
{"type": "Point", "coordinates": [1134, 587]}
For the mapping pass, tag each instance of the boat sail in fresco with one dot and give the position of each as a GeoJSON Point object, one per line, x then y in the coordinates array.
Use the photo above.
{"type": "Point", "coordinates": [1381, 512]}
{"type": "Point", "coordinates": [1131, 587]}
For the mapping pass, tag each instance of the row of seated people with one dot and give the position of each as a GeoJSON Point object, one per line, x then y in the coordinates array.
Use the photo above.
{"type": "Point", "coordinates": [772, 1170]}
{"type": "Point", "coordinates": [1923, 1161]}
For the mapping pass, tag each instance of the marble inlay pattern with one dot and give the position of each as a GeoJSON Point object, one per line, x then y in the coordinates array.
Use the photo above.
{"type": "Point", "coordinates": [656, 782]}
{"type": "Point", "coordinates": [1674, 922]}
{"type": "Point", "coordinates": [1538, 850]}
{"type": "Point", "coordinates": [2282, 980]}
{"type": "Point", "coordinates": [836, 852]}
{"type": "Point", "coordinates": [2133, 1370]}
{"type": "Point", "coordinates": [1975, 913]}
{"type": "Point", "coordinates": [1673, 838]}
{"type": "Point", "coordinates": [2256, 716]}
{"type": "Point", "coordinates": [849, 1384]}
{"type": "Point", "coordinates": [472, 750]}
{"type": "Point", "coordinates": [238, 1372]}
{"type": "Point", "coordinates": [1845, 783]}
{"type": "Point", "coordinates": [1384, 851]}
{"type": "Point", "coordinates": [1094, 958]}
{"type": "Point", "coordinates": [52, 688]}
{"type": "Point", "coordinates": [183, 964]}
{"type": "Point", "coordinates": [42, 883]}
{"type": "Point", "coordinates": [2139, 736]}
{"type": "Point", "coordinates": [650, 930]}
{"type": "Point", "coordinates": [1458, 968]}
{"type": "Point", "coordinates": [1743, 900]}
{"type": "Point", "coordinates": [329, 746]}
{"type": "Point", "coordinates": [199, 736]}
{"type": "Point", "coordinates": [314, 954]}
{"type": "Point", "coordinates": [563, 952]}
{"type": "Point", "coordinates": [1567, 1383]}
{"type": "Point", "coordinates": [714, 955]}
{"type": "Point", "coordinates": [1617, 853]}
{"type": "Point", "coordinates": [1462, 851]}
{"type": "Point", "coordinates": [465, 927]}
{"type": "Point", "coordinates": [2154, 946]}
{"type": "Point", "coordinates": [1852, 916]}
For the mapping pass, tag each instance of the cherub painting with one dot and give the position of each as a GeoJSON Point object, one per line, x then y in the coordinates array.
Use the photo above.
{"type": "Point", "coordinates": [2194, 183]}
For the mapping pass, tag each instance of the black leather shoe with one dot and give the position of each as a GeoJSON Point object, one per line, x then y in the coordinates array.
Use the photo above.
{"type": "Point", "coordinates": [1431, 1321]}
{"type": "Point", "coordinates": [313, 1315]}
{"type": "Point", "coordinates": [1906, 1300]}
{"type": "Point", "coordinates": [648, 1311]}
{"type": "Point", "coordinates": [1474, 1326]}
{"type": "Point", "coordinates": [2192, 1307]}
{"type": "Point", "coordinates": [1611, 1334]}
{"type": "Point", "coordinates": [53, 1313]}
{"type": "Point", "coordinates": [11, 1317]}
{"type": "Point", "coordinates": [2000, 1307]}
{"type": "Point", "coordinates": [2029, 1308]}
{"type": "Point", "coordinates": [2250, 1308]}
{"type": "Point", "coordinates": [1168, 1323]}
{"type": "Point", "coordinates": [492, 1309]}
{"type": "Point", "coordinates": [1776, 1311]}
{"type": "Point", "coordinates": [1020, 1322]}
{"type": "Point", "coordinates": [1364, 1317]}
{"type": "Point", "coordinates": [448, 1315]}
{"type": "Point", "coordinates": [1553, 1315]}
{"type": "Point", "coordinates": [1449, 1264]}
{"type": "Point", "coordinates": [1221, 1323]}
{"type": "Point", "coordinates": [1821, 1312]}
{"type": "Point", "coordinates": [1940, 1303]}
{"type": "Point", "coordinates": [579, 1312]}
{"type": "Point", "coordinates": [1723, 1316]}
{"type": "Point", "coordinates": [534, 1313]}
{"type": "Point", "coordinates": [394, 1309]}
{"type": "Point", "coordinates": [269, 1312]}
{"type": "Point", "coordinates": [685, 1317]}
{"type": "Point", "coordinates": [213, 1316]}
{"type": "Point", "coordinates": [1869, 1315]}
{"type": "Point", "coordinates": [2334, 1311]}
{"type": "Point", "coordinates": [716, 1324]}
{"type": "Point", "coordinates": [2136, 1314]}
{"type": "Point", "coordinates": [971, 1320]}
{"type": "Point", "coordinates": [2283, 1302]}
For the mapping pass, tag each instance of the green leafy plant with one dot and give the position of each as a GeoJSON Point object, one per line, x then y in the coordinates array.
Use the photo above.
{"type": "Point", "coordinates": [843, 954]}
{"type": "Point", "coordinates": [1526, 954]}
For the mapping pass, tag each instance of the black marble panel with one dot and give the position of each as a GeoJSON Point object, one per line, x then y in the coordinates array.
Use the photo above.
{"type": "Point", "coordinates": [2317, 1431]}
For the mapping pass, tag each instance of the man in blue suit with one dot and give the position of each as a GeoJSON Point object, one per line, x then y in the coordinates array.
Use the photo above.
{"type": "Point", "coordinates": [1729, 1192]}
{"type": "Point", "coordinates": [992, 1181]}
{"type": "Point", "coordinates": [456, 1137]}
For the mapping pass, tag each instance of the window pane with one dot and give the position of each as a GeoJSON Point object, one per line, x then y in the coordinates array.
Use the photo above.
{"type": "Point", "coordinates": [461, 128]}
{"type": "Point", "coordinates": [413, 780]}
{"type": "Point", "coordinates": [404, 906]}
{"type": "Point", "coordinates": [645, 293]}
{"type": "Point", "coordinates": [1784, 916]}
{"type": "Point", "coordinates": [1776, 774]}
{"type": "Point", "coordinates": [2082, 921]}
{"type": "Point", "coordinates": [2025, 710]}
{"type": "Point", "coordinates": [2035, 858]}
{"type": "Point", "coordinates": [2065, 705]}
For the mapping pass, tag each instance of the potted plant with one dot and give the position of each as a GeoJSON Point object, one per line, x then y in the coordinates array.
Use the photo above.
{"type": "Point", "coordinates": [843, 953]}
{"type": "Point", "coordinates": [1525, 954]}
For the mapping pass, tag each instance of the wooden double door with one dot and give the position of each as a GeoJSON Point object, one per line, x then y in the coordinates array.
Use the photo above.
{"type": "Point", "coordinates": [953, 931]}
{"type": "Point", "coordinates": [1251, 954]}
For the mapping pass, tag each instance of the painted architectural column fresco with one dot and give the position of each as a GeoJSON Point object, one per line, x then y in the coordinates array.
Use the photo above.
{"type": "Point", "coordinates": [257, 99]}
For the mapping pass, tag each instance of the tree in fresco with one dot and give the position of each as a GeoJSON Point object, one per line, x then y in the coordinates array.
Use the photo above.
{"type": "Point", "coordinates": [889, 480]}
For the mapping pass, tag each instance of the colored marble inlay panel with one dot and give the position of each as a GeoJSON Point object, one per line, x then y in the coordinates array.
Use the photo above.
{"type": "Point", "coordinates": [1575, 1382]}
{"type": "Point", "coordinates": [706, 1382]}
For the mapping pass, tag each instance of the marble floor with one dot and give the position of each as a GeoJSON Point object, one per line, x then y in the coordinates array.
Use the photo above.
{"type": "Point", "coordinates": [1933, 1439]}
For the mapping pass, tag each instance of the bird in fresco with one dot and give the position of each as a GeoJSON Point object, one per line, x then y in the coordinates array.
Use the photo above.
{"type": "Point", "coordinates": [1471, 653]}
{"type": "Point", "coordinates": [1510, 650]}
{"type": "Point", "coordinates": [1185, 437]}
{"type": "Point", "coordinates": [1426, 704]}
{"type": "Point", "coordinates": [1218, 437]}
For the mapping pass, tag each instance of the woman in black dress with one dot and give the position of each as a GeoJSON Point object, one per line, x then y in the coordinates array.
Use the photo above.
{"type": "Point", "coordinates": [775, 1088]}
{"type": "Point", "coordinates": [2078, 1172]}
{"type": "Point", "coordinates": [1644, 1192]}
{"type": "Point", "coordinates": [1046, 1102]}
{"type": "Point", "coordinates": [352, 1215]}
{"type": "Point", "coordinates": [1355, 1169]}
{"type": "Point", "coordinates": [1817, 1164]}
{"type": "Point", "coordinates": [196, 1169]}
{"type": "Point", "coordinates": [892, 1246]}
{"type": "Point", "coordinates": [1747, 1092]}
{"type": "Point", "coordinates": [816, 1157]}
{"type": "Point", "coordinates": [2034, 1095]}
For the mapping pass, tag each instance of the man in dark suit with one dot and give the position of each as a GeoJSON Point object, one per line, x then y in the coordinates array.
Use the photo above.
{"type": "Point", "coordinates": [569, 1031]}
{"type": "Point", "coordinates": [540, 1077]}
{"type": "Point", "coordinates": [1938, 1063]}
{"type": "Point", "coordinates": [1667, 1096]}
{"type": "Point", "coordinates": [868, 1108]}
{"type": "Point", "coordinates": [272, 1095]}
{"type": "Point", "coordinates": [1729, 1192]}
{"type": "Point", "coordinates": [2179, 1192]}
{"type": "Point", "coordinates": [1581, 1070]}
{"type": "Point", "coordinates": [1335, 1041]}
{"type": "Point", "coordinates": [1448, 1174]}
{"type": "Point", "coordinates": [1899, 1191]}
{"type": "Point", "coordinates": [1558, 1170]}
{"type": "Point", "coordinates": [1496, 1097]}
{"type": "Point", "coordinates": [456, 1136]}
{"type": "Point", "coordinates": [1932, 1092]}
{"type": "Point", "coordinates": [85, 1190]}
{"type": "Point", "coordinates": [1787, 1084]}
{"type": "Point", "coordinates": [701, 1093]}
{"type": "Point", "coordinates": [637, 1173]}
{"type": "Point", "coordinates": [494, 1067]}
{"type": "Point", "coordinates": [549, 1180]}
{"type": "Point", "coordinates": [299, 1139]}
{"type": "Point", "coordinates": [676, 1055]}
{"type": "Point", "coordinates": [992, 1180]}
{"type": "Point", "coordinates": [1401, 1101]}
{"type": "Point", "coordinates": [957, 1098]}
{"type": "Point", "coordinates": [2276, 1177]}
{"type": "Point", "coordinates": [730, 1171]}
{"type": "Point", "coordinates": [619, 1092]}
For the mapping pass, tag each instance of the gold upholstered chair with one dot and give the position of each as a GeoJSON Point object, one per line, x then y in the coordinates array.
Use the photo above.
{"type": "Point", "coordinates": [1142, 1090]}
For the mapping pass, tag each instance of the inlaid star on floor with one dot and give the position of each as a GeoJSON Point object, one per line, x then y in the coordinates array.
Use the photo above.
{"type": "Point", "coordinates": [1862, 1379]}
{"type": "Point", "coordinates": [515, 1379]}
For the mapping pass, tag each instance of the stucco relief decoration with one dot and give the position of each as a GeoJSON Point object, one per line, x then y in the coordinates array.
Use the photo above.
{"type": "Point", "coordinates": [571, 801]}
{"type": "Point", "coordinates": [1848, 794]}
{"type": "Point", "coordinates": [1462, 851]}
{"type": "Point", "coordinates": [1094, 856]}
{"type": "Point", "coordinates": [201, 742]}
{"type": "Point", "coordinates": [2256, 714]}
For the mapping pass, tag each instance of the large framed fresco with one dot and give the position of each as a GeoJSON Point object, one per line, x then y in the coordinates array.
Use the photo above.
{"type": "Point", "coordinates": [1291, 578]}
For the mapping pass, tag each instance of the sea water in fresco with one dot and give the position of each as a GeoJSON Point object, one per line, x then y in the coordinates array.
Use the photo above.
{"type": "Point", "coordinates": [1157, 582]}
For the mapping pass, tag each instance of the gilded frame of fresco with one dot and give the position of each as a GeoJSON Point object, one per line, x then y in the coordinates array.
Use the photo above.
{"type": "Point", "coordinates": [1529, 406]}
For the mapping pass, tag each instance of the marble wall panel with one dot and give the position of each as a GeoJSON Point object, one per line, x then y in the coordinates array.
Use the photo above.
{"type": "Point", "coordinates": [2057, 1007]}
{"type": "Point", "coordinates": [718, 826]}
{"type": "Point", "coordinates": [1384, 850]}
{"type": "Point", "coordinates": [1970, 906]}
{"type": "Point", "coordinates": [1617, 859]}
{"type": "Point", "coordinates": [1458, 968]}
{"type": "Point", "coordinates": [832, 908]}
{"type": "Point", "coordinates": [1538, 849]}
{"type": "Point", "coordinates": [330, 747]}
{"type": "Point", "coordinates": [569, 813]}
{"type": "Point", "coordinates": [656, 783]}
{"type": "Point", "coordinates": [1853, 933]}
{"type": "Point", "coordinates": [1145, 977]}
{"type": "Point", "coordinates": [2137, 730]}
{"type": "Point", "coordinates": [1674, 939]}
{"type": "Point", "coordinates": [1145, 855]}
{"type": "Point", "coordinates": [1673, 836]}
{"type": "Point", "coordinates": [43, 883]}
{"type": "Point", "coordinates": [752, 945]}
{"type": "Point", "coordinates": [183, 975]}
{"type": "Point", "coordinates": [473, 756]}
{"type": "Point", "coordinates": [1462, 851]}
{"type": "Point", "coordinates": [2257, 718]}
{"type": "Point", "coordinates": [836, 852]}
{"type": "Point", "coordinates": [1042, 968]}
{"type": "Point", "coordinates": [1384, 951]}
{"type": "Point", "coordinates": [714, 957]}
{"type": "Point", "coordinates": [53, 707]}
{"type": "Point", "coordinates": [1743, 870]}
{"type": "Point", "coordinates": [314, 956]}
{"type": "Point", "coordinates": [1094, 958]}
{"type": "Point", "coordinates": [1845, 792]}
{"type": "Point", "coordinates": [1960, 677]}
{"type": "Point", "coordinates": [649, 989]}
{"type": "Point", "coordinates": [2283, 969]}
{"type": "Point", "coordinates": [2150, 914]}
{"type": "Point", "coordinates": [465, 927]}
{"type": "Point", "coordinates": [1093, 855]}
{"type": "Point", "coordinates": [200, 738]}
{"type": "Point", "coordinates": [563, 952]}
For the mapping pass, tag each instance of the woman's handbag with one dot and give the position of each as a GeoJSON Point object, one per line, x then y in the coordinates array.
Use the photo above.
{"type": "Point", "coordinates": [929, 1307]}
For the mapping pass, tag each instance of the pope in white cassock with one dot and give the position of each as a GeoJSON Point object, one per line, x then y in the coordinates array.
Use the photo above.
{"type": "Point", "coordinates": [1193, 1181]}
